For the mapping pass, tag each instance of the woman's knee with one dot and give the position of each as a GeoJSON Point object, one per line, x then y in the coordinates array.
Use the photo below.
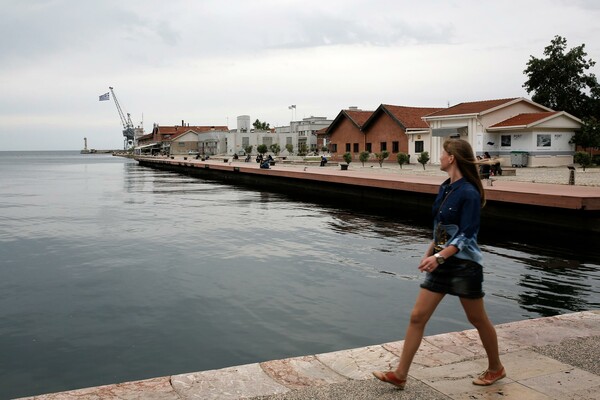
{"type": "Point", "coordinates": [419, 317]}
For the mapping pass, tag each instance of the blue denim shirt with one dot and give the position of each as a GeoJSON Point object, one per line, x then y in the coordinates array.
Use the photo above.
{"type": "Point", "coordinates": [456, 213]}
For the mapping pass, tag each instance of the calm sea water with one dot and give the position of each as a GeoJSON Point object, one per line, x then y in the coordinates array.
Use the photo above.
{"type": "Point", "coordinates": [111, 272]}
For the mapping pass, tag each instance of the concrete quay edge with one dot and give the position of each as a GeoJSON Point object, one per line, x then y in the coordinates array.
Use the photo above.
{"type": "Point", "coordinates": [552, 195]}
{"type": "Point", "coordinates": [545, 358]}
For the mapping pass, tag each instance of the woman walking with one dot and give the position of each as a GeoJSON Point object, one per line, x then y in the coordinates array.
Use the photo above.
{"type": "Point", "coordinates": [453, 263]}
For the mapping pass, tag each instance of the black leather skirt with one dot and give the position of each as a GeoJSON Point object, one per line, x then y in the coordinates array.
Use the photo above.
{"type": "Point", "coordinates": [462, 278]}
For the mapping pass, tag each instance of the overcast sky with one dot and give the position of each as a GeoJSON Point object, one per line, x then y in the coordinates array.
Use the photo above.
{"type": "Point", "coordinates": [208, 61]}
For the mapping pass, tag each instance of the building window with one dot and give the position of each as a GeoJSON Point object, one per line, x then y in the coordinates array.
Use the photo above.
{"type": "Point", "coordinates": [245, 141]}
{"type": "Point", "coordinates": [395, 147]}
{"type": "Point", "coordinates": [181, 144]}
{"type": "Point", "coordinates": [544, 141]}
{"type": "Point", "coordinates": [334, 147]}
{"type": "Point", "coordinates": [383, 146]}
{"type": "Point", "coordinates": [368, 148]}
{"type": "Point", "coordinates": [418, 146]}
{"type": "Point", "coordinates": [288, 140]}
{"type": "Point", "coordinates": [355, 149]}
{"type": "Point", "coordinates": [505, 140]}
{"type": "Point", "coordinates": [347, 147]}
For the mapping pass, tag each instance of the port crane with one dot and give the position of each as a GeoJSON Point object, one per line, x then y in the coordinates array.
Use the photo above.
{"type": "Point", "coordinates": [128, 130]}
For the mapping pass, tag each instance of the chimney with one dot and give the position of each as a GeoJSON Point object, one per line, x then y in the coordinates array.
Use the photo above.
{"type": "Point", "coordinates": [182, 124]}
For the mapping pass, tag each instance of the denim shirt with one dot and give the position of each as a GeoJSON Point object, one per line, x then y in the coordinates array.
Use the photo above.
{"type": "Point", "coordinates": [456, 213]}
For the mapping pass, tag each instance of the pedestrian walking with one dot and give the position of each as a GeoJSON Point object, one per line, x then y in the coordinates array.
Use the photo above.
{"type": "Point", "coordinates": [452, 263]}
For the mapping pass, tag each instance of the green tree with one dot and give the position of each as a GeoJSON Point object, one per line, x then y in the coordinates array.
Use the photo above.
{"type": "Point", "coordinates": [347, 157]}
{"type": "Point", "coordinates": [423, 158]}
{"type": "Point", "coordinates": [560, 81]}
{"type": "Point", "coordinates": [588, 137]}
{"type": "Point", "coordinates": [263, 126]}
{"type": "Point", "coordinates": [364, 157]}
{"type": "Point", "coordinates": [248, 149]}
{"type": "Point", "coordinates": [381, 157]}
{"type": "Point", "coordinates": [262, 148]}
{"type": "Point", "coordinates": [582, 158]}
{"type": "Point", "coordinates": [402, 159]}
{"type": "Point", "coordinates": [275, 148]}
{"type": "Point", "coordinates": [290, 148]}
{"type": "Point", "coordinates": [302, 149]}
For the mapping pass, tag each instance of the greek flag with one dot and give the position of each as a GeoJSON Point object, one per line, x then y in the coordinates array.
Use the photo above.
{"type": "Point", "coordinates": [104, 97]}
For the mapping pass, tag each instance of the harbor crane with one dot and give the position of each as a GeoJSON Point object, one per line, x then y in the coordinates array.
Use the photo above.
{"type": "Point", "coordinates": [128, 130]}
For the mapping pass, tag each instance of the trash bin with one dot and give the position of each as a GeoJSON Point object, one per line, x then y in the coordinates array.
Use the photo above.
{"type": "Point", "coordinates": [518, 158]}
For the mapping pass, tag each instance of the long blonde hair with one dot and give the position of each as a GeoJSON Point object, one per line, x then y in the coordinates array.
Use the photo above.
{"type": "Point", "coordinates": [466, 162]}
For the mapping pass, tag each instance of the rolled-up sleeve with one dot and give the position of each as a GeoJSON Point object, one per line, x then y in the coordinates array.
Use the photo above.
{"type": "Point", "coordinates": [468, 224]}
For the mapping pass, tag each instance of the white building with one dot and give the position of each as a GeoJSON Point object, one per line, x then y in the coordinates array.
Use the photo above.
{"type": "Point", "coordinates": [502, 127]}
{"type": "Point", "coordinates": [300, 132]}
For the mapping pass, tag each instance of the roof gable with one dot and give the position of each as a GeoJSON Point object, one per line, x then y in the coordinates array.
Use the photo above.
{"type": "Point", "coordinates": [406, 117]}
{"type": "Point", "coordinates": [356, 117]}
{"type": "Point", "coordinates": [473, 107]}
{"type": "Point", "coordinates": [529, 120]}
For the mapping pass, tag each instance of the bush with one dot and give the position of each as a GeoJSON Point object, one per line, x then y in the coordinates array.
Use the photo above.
{"type": "Point", "coordinates": [402, 159]}
{"type": "Point", "coordinates": [363, 157]}
{"type": "Point", "coordinates": [582, 158]}
{"type": "Point", "coordinates": [302, 149]}
{"type": "Point", "coordinates": [381, 157]}
{"type": "Point", "coordinates": [347, 157]}
{"type": "Point", "coordinates": [423, 158]}
{"type": "Point", "coordinates": [324, 149]}
{"type": "Point", "coordinates": [289, 148]}
{"type": "Point", "coordinates": [275, 148]}
{"type": "Point", "coordinates": [248, 149]}
{"type": "Point", "coordinates": [262, 149]}
{"type": "Point", "coordinates": [596, 159]}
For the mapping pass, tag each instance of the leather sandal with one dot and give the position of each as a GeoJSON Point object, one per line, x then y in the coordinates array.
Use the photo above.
{"type": "Point", "coordinates": [391, 378]}
{"type": "Point", "coordinates": [488, 377]}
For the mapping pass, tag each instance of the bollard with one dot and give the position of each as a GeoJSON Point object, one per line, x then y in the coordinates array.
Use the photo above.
{"type": "Point", "coordinates": [571, 174]}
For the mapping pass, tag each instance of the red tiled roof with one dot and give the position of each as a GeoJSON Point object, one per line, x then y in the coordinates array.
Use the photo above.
{"type": "Point", "coordinates": [411, 117]}
{"type": "Point", "coordinates": [524, 119]}
{"type": "Point", "coordinates": [358, 117]}
{"type": "Point", "coordinates": [170, 130]}
{"type": "Point", "coordinates": [474, 107]}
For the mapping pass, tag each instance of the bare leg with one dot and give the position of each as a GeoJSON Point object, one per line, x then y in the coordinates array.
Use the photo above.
{"type": "Point", "coordinates": [477, 316]}
{"type": "Point", "coordinates": [426, 303]}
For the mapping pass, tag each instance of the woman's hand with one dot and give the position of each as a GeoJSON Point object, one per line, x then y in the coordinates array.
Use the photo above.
{"type": "Point", "coordinates": [428, 264]}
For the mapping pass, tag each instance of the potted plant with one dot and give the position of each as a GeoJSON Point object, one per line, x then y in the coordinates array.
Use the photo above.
{"type": "Point", "coordinates": [348, 158]}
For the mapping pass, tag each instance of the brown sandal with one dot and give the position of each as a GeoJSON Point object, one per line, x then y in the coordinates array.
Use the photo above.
{"type": "Point", "coordinates": [488, 377]}
{"type": "Point", "coordinates": [391, 378]}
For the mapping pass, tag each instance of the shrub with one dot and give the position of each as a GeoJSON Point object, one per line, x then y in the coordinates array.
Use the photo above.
{"type": "Point", "coordinates": [347, 157]}
{"type": "Point", "coordinates": [381, 157]}
{"type": "Point", "coordinates": [262, 148]}
{"type": "Point", "coordinates": [363, 157]}
{"type": "Point", "coordinates": [423, 158]}
{"type": "Point", "coordinates": [402, 159]}
{"type": "Point", "coordinates": [248, 149]}
{"type": "Point", "coordinates": [289, 148]}
{"type": "Point", "coordinates": [275, 148]}
{"type": "Point", "coordinates": [596, 159]}
{"type": "Point", "coordinates": [582, 158]}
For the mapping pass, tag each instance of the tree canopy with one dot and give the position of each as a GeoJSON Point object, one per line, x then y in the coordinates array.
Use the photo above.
{"type": "Point", "coordinates": [263, 126]}
{"type": "Point", "coordinates": [560, 80]}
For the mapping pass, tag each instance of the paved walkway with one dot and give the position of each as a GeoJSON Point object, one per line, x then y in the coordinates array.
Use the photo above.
{"type": "Point", "coordinates": [546, 358]}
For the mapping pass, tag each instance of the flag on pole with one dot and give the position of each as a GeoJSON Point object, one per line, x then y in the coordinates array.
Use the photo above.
{"type": "Point", "coordinates": [292, 106]}
{"type": "Point", "coordinates": [104, 97]}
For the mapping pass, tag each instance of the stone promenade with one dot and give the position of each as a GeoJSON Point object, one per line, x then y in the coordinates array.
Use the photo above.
{"type": "Point", "coordinates": [546, 358]}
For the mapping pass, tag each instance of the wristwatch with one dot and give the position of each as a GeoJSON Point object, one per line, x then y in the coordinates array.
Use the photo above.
{"type": "Point", "coordinates": [439, 258]}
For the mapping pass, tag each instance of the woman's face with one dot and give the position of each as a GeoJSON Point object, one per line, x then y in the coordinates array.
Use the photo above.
{"type": "Point", "coordinates": [446, 160]}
